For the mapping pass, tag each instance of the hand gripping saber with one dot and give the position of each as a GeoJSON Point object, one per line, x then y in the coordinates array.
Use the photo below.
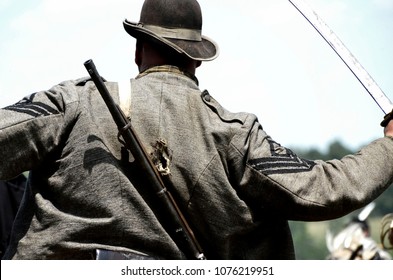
{"type": "Point", "coordinates": [347, 57]}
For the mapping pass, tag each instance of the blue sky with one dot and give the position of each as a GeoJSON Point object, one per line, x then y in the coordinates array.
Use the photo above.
{"type": "Point", "coordinates": [272, 62]}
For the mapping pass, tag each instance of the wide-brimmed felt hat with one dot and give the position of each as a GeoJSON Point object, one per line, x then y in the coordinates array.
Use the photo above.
{"type": "Point", "coordinates": [177, 24]}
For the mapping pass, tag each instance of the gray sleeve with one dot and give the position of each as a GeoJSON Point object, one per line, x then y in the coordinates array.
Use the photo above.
{"type": "Point", "coordinates": [31, 129]}
{"type": "Point", "coordinates": [276, 178]}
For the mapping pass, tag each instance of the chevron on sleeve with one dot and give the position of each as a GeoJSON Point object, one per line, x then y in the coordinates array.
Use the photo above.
{"type": "Point", "coordinates": [34, 109]}
{"type": "Point", "coordinates": [281, 161]}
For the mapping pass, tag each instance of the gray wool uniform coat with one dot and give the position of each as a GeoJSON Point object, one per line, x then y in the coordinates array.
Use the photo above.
{"type": "Point", "coordinates": [235, 184]}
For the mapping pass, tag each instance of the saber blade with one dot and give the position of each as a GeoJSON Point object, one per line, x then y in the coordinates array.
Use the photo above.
{"type": "Point", "coordinates": [346, 56]}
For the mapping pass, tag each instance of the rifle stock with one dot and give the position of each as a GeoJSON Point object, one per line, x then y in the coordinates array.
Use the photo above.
{"type": "Point", "coordinates": [174, 222]}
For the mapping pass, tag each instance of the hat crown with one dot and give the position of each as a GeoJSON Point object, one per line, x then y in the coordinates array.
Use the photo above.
{"type": "Point", "coordinates": [172, 14]}
{"type": "Point", "coordinates": [175, 23]}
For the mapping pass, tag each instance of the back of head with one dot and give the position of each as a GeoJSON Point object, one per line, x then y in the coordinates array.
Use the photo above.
{"type": "Point", "coordinates": [150, 53]}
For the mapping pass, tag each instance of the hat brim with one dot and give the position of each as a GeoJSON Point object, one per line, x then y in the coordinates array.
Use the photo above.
{"type": "Point", "coordinates": [204, 50]}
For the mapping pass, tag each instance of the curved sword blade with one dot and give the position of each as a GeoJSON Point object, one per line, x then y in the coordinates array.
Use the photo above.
{"type": "Point", "coordinates": [346, 56]}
